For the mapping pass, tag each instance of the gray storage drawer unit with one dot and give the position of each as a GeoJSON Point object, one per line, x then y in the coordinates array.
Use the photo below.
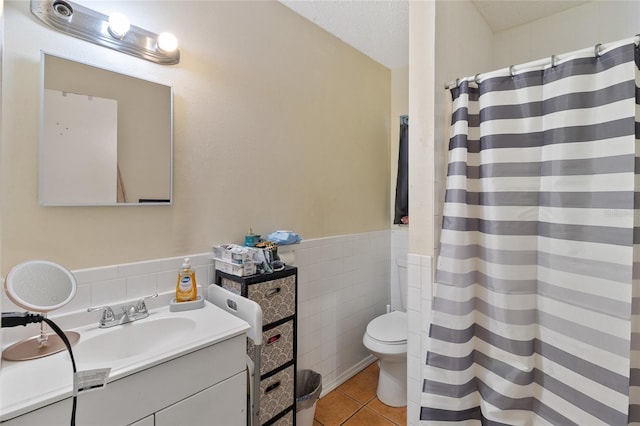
{"type": "Point", "coordinates": [277, 295]}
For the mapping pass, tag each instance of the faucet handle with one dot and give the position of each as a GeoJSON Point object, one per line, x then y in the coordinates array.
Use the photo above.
{"type": "Point", "coordinates": [107, 314]}
{"type": "Point", "coordinates": [141, 307]}
{"type": "Point", "coordinates": [129, 310]}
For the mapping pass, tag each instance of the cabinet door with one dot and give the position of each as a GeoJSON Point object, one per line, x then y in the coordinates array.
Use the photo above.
{"type": "Point", "coordinates": [221, 404]}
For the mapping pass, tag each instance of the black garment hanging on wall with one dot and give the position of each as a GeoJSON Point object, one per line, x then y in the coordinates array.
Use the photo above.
{"type": "Point", "coordinates": [402, 182]}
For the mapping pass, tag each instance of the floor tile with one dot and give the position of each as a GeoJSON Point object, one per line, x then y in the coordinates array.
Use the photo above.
{"type": "Point", "coordinates": [355, 403]}
{"type": "Point", "coordinates": [334, 408]}
{"type": "Point", "coordinates": [366, 417]}
{"type": "Point", "coordinates": [398, 415]}
{"type": "Point", "coordinates": [361, 387]}
{"type": "Point", "coordinates": [372, 369]}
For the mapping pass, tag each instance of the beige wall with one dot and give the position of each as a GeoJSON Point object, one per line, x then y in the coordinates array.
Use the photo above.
{"type": "Point", "coordinates": [278, 125]}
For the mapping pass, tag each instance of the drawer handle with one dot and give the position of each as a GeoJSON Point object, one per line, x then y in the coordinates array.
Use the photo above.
{"type": "Point", "coordinates": [272, 387]}
{"type": "Point", "coordinates": [273, 291]}
{"type": "Point", "coordinates": [273, 339]}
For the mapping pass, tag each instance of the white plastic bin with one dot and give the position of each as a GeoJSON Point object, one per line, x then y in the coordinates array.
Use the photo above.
{"type": "Point", "coordinates": [308, 389]}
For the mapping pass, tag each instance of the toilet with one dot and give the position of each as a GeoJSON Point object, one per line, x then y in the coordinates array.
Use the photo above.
{"type": "Point", "coordinates": [386, 339]}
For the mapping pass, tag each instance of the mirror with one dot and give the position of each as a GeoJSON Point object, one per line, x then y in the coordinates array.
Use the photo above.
{"type": "Point", "coordinates": [105, 138]}
{"type": "Point", "coordinates": [39, 286]}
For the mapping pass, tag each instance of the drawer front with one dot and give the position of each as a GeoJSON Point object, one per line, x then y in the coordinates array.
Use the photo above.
{"type": "Point", "coordinates": [232, 286]}
{"type": "Point", "coordinates": [277, 347]}
{"type": "Point", "coordinates": [276, 394]}
{"type": "Point", "coordinates": [277, 298]}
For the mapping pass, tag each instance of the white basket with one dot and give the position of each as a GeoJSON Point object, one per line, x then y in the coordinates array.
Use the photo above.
{"type": "Point", "coordinates": [226, 255]}
{"type": "Point", "coordinates": [240, 270]}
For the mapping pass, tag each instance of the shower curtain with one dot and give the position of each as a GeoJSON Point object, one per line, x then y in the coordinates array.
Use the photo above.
{"type": "Point", "coordinates": [534, 311]}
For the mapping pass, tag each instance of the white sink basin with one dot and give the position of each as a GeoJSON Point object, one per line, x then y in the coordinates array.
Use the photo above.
{"type": "Point", "coordinates": [133, 339]}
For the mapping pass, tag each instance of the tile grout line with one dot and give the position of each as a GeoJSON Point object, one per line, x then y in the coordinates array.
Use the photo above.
{"type": "Point", "coordinates": [381, 414]}
{"type": "Point", "coordinates": [356, 412]}
{"type": "Point", "coordinates": [341, 393]}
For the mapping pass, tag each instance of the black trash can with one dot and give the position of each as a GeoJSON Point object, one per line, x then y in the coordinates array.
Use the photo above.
{"type": "Point", "coordinates": [308, 388]}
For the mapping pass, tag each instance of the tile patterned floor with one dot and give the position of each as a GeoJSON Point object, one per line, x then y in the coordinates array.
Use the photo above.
{"type": "Point", "coordinates": [354, 403]}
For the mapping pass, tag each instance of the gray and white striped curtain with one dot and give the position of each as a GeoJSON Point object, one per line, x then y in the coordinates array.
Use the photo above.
{"type": "Point", "coordinates": [534, 313]}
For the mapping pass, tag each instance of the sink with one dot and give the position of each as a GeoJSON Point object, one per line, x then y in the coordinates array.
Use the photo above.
{"type": "Point", "coordinates": [133, 339]}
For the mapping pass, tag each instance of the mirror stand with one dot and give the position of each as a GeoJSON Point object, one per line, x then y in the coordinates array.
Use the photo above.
{"type": "Point", "coordinates": [39, 346]}
{"type": "Point", "coordinates": [39, 286]}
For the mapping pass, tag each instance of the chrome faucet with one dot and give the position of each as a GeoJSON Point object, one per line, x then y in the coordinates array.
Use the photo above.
{"type": "Point", "coordinates": [127, 314]}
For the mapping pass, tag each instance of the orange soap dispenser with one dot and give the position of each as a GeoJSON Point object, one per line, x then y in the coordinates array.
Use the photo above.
{"type": "Point", "coordinates": [186, 289]}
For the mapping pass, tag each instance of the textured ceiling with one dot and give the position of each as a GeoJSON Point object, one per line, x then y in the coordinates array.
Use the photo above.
{"type": "Point", "coordinates": [380, 29]}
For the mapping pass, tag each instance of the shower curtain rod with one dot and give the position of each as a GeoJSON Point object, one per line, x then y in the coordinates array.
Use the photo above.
{"type": "Point", "coordinates": [552, 61]}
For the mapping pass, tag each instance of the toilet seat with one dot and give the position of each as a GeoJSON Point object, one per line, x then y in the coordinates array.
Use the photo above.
{"type": "Point", "coordinates": [389, 329]}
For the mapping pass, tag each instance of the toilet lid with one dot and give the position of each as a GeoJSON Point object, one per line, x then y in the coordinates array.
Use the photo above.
{"type": "Point", "coordinates": [390, 328]}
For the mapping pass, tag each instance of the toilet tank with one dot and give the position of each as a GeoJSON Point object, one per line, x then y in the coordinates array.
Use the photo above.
{"type": "Point", "coordinates": [401, 264]}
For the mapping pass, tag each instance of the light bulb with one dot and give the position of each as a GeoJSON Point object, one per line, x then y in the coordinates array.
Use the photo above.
{"type": "Point", "coordinates": [118, 25]}
{"type": "Point", "coordinates": [167, 42]}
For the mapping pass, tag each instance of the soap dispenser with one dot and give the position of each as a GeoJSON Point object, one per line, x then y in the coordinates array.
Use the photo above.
{"type": "Point", "coordinates": [250, 239]}
{"type": "Point", "coordinates": [186, 289]}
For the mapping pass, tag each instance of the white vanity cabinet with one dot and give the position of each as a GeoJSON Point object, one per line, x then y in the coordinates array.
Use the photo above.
{"type": "Point", "coordinates": [204, 387]}
{"type": "Point", "coordinates": [222, 404]}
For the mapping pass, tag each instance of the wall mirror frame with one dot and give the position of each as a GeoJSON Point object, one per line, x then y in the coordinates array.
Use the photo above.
{"type": "Point", "coordinates": [106, 138]}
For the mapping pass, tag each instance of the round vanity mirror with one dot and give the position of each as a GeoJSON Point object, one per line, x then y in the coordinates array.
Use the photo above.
{"type": "Point", "coordinates": [40, 286]}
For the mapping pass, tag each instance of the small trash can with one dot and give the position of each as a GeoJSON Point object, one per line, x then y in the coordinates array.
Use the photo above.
{"type": "Point", "coordinates": [308, 388]}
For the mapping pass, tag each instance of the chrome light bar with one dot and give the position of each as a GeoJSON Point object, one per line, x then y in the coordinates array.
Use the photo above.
{"type": "Point", "coordinates": [89, 25]}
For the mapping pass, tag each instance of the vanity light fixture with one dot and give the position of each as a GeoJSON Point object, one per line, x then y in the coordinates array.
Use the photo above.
{"type": "Point", "coordinates": [167, 42]}
{"type": "Point", "coordinates": [119, 25]}
{"type": "Point", "coordinates": [114, 32]}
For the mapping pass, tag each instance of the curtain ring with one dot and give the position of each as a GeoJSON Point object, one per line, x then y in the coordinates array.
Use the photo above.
{"type": "Point", "coordinates": [554, 61]}
{"type": "Point", "coordinates": [512, 71]}
{"type": "Point", "coordinates": [457, 82]}
{"type": "Point", "coordinates": [477, 79]}
{"type": "Point", "coordinates": [596, 50]}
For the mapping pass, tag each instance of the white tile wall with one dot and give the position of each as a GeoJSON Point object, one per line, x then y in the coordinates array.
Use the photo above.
{"type": "Point", "coordinates": [419, 313]}
{"type": "Point", "coordinates": [399, 249]}
{"type": "Point", "coordinates": [343, 283]}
